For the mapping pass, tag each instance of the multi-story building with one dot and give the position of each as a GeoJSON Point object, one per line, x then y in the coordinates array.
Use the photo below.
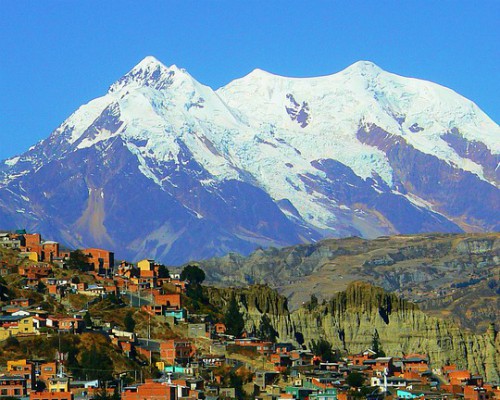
{"type": "Point", "coordinates": [154, 391]}
{"type": "Point", "coordinates": [176, 351]}
{"type": "Point", "coordinates": [13, 386]}
{"type": "Point", "coordinates": [102, 261]}
{"type": "Point", "coordinates": [22, 368]}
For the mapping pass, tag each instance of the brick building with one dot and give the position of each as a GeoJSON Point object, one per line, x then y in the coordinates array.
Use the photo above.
{"type": "Point", "coordinates": [101, 260]}
{"type": "Point", "coordinates": [153, 391]}
{"type": "Point", "coordinates": [13, 386]}
{"type": "Point", "coordinates": [176, 351]}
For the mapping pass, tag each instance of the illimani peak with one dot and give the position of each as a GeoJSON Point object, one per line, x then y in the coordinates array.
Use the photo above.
{"type": "Point", "coordinates": [183, 171]}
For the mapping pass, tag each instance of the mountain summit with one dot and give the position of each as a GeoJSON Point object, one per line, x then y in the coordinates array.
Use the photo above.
{"type": "Point", "coordinates": [165, 167]}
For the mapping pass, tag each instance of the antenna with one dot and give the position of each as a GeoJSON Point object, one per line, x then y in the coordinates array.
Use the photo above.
{"type": "Point", "coordinates": [385, 373]}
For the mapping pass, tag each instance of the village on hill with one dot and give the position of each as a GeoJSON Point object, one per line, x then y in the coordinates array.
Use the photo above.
{"type": "Point", "coordinates": [77, 324]}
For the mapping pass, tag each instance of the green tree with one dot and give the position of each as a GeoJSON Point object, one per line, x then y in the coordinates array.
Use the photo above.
{"type": "Point", "coordinates": [78, 260]}
{"type": "Point", "coordinates": [87, 319]}
{"type": "Point", "coordinates": [96, 365]}
{"type": "Point", "coordinates": [355, 380]}
{"type": "Point", "coordinates": [236, 381]}
{"type": "Point", "coordinates": [377, 349]}
{"type": "Point", "coordinates": [266, 330]}
{"type": "Point", "coordinates": [299, 337]}
{"type": "Point", "coordinates": [163, 272]}
{"type": "Point", "coordinates": [40, 287]}
{"type": "Point", "coordinates": [194, 274]}
{"type": "Point", "coordinates": [324, 349]}
{"type": "Point", "coordinates": [129, 322]}
{"type": "Point", "coordinates": [313, 303]}
{"type": "Point", "coordinates": [233, 318]}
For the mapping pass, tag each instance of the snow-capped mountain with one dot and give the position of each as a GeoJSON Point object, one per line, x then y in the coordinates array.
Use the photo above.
{"type": "Point", "coordinates": [166, 167]}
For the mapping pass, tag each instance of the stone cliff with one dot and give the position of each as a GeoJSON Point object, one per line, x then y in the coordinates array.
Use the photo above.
{"type": "Point", "coordinates": [447, 275]}
{"type": "Point", "coordinates": [350, 318]}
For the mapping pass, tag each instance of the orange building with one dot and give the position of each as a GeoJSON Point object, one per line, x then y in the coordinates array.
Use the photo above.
{"type": "Point", "coordinates": [33, 241]}
{"type": "Point", "coordinates": [220, 328]}
{"type": "Point", "coordinates": [359, 359]}
{"type": "Point", "coordinates": [176, 351]}
{"type": "Point", "coordinates": [51, 396]}
{"type": "Point", "coordinates": [458, 377]}
{"type": "Point", "coordinates": [415, 363]}
{"type": "Point", "coordinates": [475, 393]}
{"type": "Point", "coordinates": [48, 371]}
{"type": "Point", "coordinates": [102, 260]}
{"type": "Point", "coordinates": [150, 390]}
{"type": "Point", "coordinates": [21, 302]}
{"type": "Point", "coordinates": [50, 250]}
{"type": "Point", "coordinates": [262, 347]}
{"type": "Point", "coordinates": [13, 386]}
{"type": "Point", "coordinates": [170, 300]}
{"type": "Point", "coordinates": [23, 368]}
{"type": "Point", "coordinates": [46, 251]}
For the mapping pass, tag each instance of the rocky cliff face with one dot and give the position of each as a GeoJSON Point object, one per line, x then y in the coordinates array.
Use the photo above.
{"type": "Point", "coordinates": [350, 318]}
{"type": "Point", "coordinates": [454, 275]}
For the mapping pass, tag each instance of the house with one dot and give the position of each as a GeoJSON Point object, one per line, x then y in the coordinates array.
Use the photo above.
{"type": "Point", "coordinates": [10, 241]}
{"type": "Point", "coordinates": [51, 395]}
{"type": "Point", "coordinates": [39, 322]}
{"type": "Point", "coordinates": [102, 261]}
{"type": "Point", "coordinates": [30, 255]}
{"type": "Point", "coordinates": [176, 351]}
{"type": "Point", "coordinates": [50, 251]}
{"type": "Point", "coordinates": [22, 368]}
{"type": "Point", "coordinates": [327, 394]}
{"type": "Point", "coordinates": [301, 357]}
{"type": "Point", "coordinates": [283, 348]}
{"type": "Point", "coordinates": [13, 386]}
{"type": "Point", "coordinates": [146, 265]}
{"type": "Point", "coordinates": [71, 324]}
{"type": "Point", "coordinates": [46, 250]}
{"type": "Point", "coordinates": [16, 325]}
{"type": "Point", "coordinates": [359, 359]}
{"type": "Point", "coordinates": [415, 363]}
{"type": "Point", "coordinates": [262, 347]}
{"type": "Point", "coordinates": [153, 391]}
{"type": "Point", "coordinates": [6, 269]}
{"type": "Point", "coordinates": [220, 328]}
{"type": "Point", "coordinates": [127, 270]}
{"type": "Point", "coordinates": [265, 378]}
{"type": "Point", "coordinates": [32, 242]}
{"type": "Point", "coordinates": [58, 384]}
{"type": "Point", "coordinates": [381, 364]}
{"type": "Point", "coordinates": [458, 377]}
{"type": "Point", "coordinates": [48, 371]}
{"type": "Point", "coordinates": [21, 302]}
{"type": "Point", "coordinates": [281, 361]}
{"type": "Point", "coordinates": [169, 300]}
{"type": "Point", "coordinates": [176, 314]}
{"type": "Point", "coordinates": [197, 330]}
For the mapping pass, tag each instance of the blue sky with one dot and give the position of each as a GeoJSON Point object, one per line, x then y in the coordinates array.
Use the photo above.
{"type": "Point", "coordinates": [57, 55]}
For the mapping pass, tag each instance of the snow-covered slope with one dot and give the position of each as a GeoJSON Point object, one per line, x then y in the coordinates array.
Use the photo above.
{"type": "Point", "coordinates": [264, 160]}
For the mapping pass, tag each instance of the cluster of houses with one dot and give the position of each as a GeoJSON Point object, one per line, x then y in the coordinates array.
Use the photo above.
{"type": "Point", "coordinates": [193, 364]}
{"type": "Point", "coordinates": [31, 246]}
{"type": "Point", "coordinates": [409, 377]}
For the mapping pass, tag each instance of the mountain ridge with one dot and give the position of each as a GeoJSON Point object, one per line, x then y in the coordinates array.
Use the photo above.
{"type": "Point", "coordinates": [315, 157]}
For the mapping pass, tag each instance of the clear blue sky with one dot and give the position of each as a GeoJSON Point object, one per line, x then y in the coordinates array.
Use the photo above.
{"type": "Point", "coordinates": [57, 55]}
